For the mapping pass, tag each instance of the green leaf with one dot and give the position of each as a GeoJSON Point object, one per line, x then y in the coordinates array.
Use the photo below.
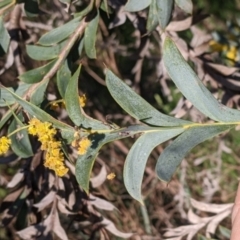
{"type": "Point", "coordinates": [185, 5]}
{"type": "Point", "coordinates": [84, 167]}
{"type": "Point", "coordinates": [6, 98]}
{"type": "Point", "coordinates": [4, 3]}
{"type": "Point", "coordinates": [63, 77]}
{"type": "Point", "coordinates": [85, 11]}
{"type": "Point", "coordinates": [138, 155]}
{"type": "Point", "coordinates": [90, 37]}
{"type": "Point", "coordinates": [201, 237]}
{"type": "Point", "coordinates": [35, 111]}
{"type": "Point", "coordinates": [152, 20]}
{"type": "Point", "coordinates": [44, 53]}
{"type": "Point", "coordinates": [6, 117]}
{"type": "Point", "coordinates": [225, 232]}
{"type": "Point", "coordinates": [38, 95]}
{"type": "Point", "coordinates": [4, 36]}
{"type": "Point", "coordinates": [72, 99]}
{"type": "Point", "coordinates": [31, 8]}
{"type": "Point", "coordinates": [164, 8]}
{"type": "Point", "coordinates": [136, 5]}
{"type": "Point", "coordinates": [172, 156]}
{"type": "Point", "coordinates": [192, 87]}
{"type": "Point", "coordinates": [136, 106]}
{"type": "Point", "coordinates": [74, 109]}
{"type": "Point", "coordinates": [60, 33]}
{"type": "Point", "coordinates": [80, 46]}
{"type": "Point", "coordinates": [85, 162]}
{"type": "Point", "coordinates": [104, 6]}
{"type": "Point", "coordinates": [20, 143]}
{"type": "Point", "coordinates": [37, 74]}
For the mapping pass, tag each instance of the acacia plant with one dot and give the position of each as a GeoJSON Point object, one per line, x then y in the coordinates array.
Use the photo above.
{"type": "Point", "coordinates": [56, 154]}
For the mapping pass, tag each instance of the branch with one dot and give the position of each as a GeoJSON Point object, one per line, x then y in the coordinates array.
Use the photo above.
{"type": "Point", "coordinates": [62, 56]}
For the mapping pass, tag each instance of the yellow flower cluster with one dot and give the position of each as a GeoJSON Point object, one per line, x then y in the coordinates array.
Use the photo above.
{"type": "Point", "coordinates": [82, 100]}
{"type": "Point", "coordinates": [46, 135]}
{"type": "Point", "coordinates": [4, 144]}
{"type": "Point", "coordinates": [231, 52]}
{"type": "Point", "coordinates": [82, 144]}
{"type": "Point", "coordinates": [217, 47]}
{"type": "Point", "coordinates": [61, 103]}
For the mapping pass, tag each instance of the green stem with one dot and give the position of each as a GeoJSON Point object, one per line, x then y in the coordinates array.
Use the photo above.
{"type": "Point", "coordinates": [17, 130]}
{"type": "Point", "coordinates": [62, 56]}
{"type": "Point", "coordinates": [146, 220]}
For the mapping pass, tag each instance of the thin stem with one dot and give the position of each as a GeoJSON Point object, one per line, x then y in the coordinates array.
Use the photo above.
{"type": "Point", "coordinates": [17, 130]}
{"type": "Point", "coordinates": [146, 219]}
{"type": "Point", "coordinates": [62, 56]}
{"type": "Point", "coordinates": [209, 124]}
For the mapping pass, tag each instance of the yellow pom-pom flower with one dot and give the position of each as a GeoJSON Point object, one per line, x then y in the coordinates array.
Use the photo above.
{"type": "Point", "coordinates": [83, 146]}
{"type": "Point", "coordinates": [4, 144]}
{"type": "Point", "coordinates": [83, 100]}
{"type": "Point", "coordinates": [54, 158]}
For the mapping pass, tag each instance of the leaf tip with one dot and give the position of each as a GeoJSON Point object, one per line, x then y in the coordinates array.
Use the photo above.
{"type": "Point", "coordinates": [86, 190]}
{"type": "Point", "coordinates": [163, 176]}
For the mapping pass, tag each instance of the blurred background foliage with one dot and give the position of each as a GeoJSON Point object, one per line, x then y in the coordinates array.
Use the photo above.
{"type": "Point", "coordinates": [210, 171]}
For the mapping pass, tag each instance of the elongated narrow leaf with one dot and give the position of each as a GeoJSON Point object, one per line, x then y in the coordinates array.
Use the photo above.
{"type": "Point", "coordinates": [6, 98]}
{"type": "Point", "coordinates": [38, 95]}
{"type": "Point", "coordinates": [35, 111]}
{"type": "Point", "coordinates": [138, 155]}
{"type": "Point", "coordinates": [20, 141]}
{"type": "Point", "coordinates": [172, 156]}
{"type": "Point", "coordinates": [4, 3]}
{"type": "Point", "coordinates": [225, 232]}
{"type": "Point", "coordinates": [85, 162]}
{"type": "Point", "coordinates": [136, 106]}
{"type": "Point", "coordinates": [4, 36]}
{"type": "Point", "coordinates": [90, 37]}
{"type": "Point", "coordinates": [63, 77]}
{"type": "Point", "coordinates": [85, 11]}
{"type": "Point", "coordinates": [44, 53]}
{"type": "Point", "coordinates": [104, 6]}
{"type": "Point", "coordinates": [74, 109]}
{"type": "Point", "coordinates": [59, 34]}
{"type": "Point", "coordinates": [152, 20]}
{"type": "Point", "coordinates": [136, 5]}
{"type": "Point", "coordinates": [84, 167]}
{"type": "Point", "coordinates": [192, 87]}
{"type": "Point", "coordinates": [185, 5]}
{"type": "Point", "coordinates": [7, 115]}
{"type": "Point", "coordinates": [37, 74]}
{"type": "Point", "coordinates": [80, 46]}
{"type": "Point", "coordinates": [72, 99]}
{"type": "Point", "coordinates": [164, 8]}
